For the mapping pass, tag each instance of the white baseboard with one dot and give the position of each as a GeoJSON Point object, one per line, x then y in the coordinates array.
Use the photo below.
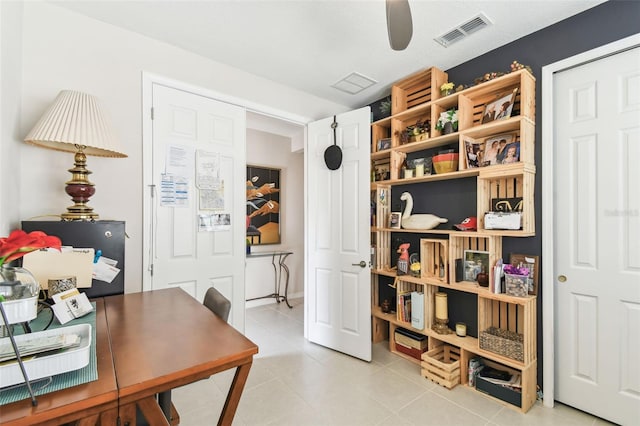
{"type": "Point", "coordinates": [270, 300]}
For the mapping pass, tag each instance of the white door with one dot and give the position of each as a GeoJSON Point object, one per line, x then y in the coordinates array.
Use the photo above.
{"type": "Point", "coordinates": [338, 289]}
{"type": "Point", "coordinates": [198, 220]}
{"type": "Point", "coordinates": [597, 241]}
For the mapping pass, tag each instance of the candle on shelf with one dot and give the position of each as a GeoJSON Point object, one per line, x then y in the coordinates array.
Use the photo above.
{"type": "Point", "coordinates": [461, 329]}
{"type": "Point", "coordinates": [441, 306]}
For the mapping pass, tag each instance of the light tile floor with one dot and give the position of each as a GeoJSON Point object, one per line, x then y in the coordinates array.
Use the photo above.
{"type": "Point", "coordinates": [294, 382]}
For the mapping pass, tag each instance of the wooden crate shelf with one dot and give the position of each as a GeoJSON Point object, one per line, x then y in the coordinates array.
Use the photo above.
{"type": "Point", "coordinates": [474, 241]}
{"type": "Point", "coordinates": [434, 259]}
{"type": "Point", "coordinates": [417, 97]}
{"type": "Point", "coordinates": [508, 181]}
{"type": "Point", "coordinates": [515, 318]}
{"type": "Point", "coordinates": [418, 88]}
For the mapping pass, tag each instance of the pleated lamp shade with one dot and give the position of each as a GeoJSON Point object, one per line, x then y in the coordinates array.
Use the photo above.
{"type": "Point", "coordinates": [76, 119]}
{"type": "Point", "coordinates": [76, 123]}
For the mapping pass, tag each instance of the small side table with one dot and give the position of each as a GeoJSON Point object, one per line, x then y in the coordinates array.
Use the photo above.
{"type": "Point", "coordinates": [278, 269]}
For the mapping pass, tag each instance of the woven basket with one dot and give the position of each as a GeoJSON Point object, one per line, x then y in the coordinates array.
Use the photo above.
{"type": "Point", "coordinates": [503, 342]}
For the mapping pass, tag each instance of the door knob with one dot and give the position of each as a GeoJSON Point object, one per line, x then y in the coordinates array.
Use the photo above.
{"type": "Point", "coordinates": [362, 264]}
{"type": "Point", "coordinates": [562, 278]}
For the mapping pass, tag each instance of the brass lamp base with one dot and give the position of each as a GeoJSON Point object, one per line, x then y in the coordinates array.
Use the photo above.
{"type": "Point", "coordinates": [80, 190]}
{"type": "Point", "coordinates": [440, 326]}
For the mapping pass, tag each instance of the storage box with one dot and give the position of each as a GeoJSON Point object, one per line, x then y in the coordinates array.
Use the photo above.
{"type": "Point", "coordinates": [516, 285]}
{"type": "Point", "coordinates": [442, 365]}
{"type": "Point", "coordinates": [411, 339]}
{"type": "Point", "coordinates": [38, 367]}
{"type": "Point", "coordinates": [503, 342]}
{"type": "Point", "coordinates": [407, 350]}
{"type": "Point", "coordinates": [503, 220]}
{"type": "Point", "coordinates": [498, 391]}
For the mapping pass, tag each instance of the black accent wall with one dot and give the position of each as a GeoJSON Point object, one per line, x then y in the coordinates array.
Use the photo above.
{"type": "Point", "coordinates": [603, 24]}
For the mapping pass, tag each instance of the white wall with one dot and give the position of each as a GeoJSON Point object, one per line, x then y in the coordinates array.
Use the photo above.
{"type": "Point", "coordinates": [10, 86]}
{"type": "Point", "coordinates": [65, 50]}
{"type": "Point", "coordinates": [266, 149]}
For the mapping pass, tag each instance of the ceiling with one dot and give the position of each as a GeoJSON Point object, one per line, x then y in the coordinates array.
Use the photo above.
{"type": "Point", "coordinates": [311, 44]}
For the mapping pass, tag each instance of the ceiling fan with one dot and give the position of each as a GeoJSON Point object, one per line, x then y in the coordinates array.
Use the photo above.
{"type": "Point", "coordinates": [399, 23]}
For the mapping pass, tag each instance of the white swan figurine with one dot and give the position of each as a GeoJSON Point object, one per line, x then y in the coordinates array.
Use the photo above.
{"type": "Point", "coordinates": [418, 221]}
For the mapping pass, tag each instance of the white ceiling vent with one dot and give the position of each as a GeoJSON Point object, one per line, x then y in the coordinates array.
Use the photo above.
{"type": "Point", "coordinates": [461, 31]}
{"type": "Point", "coordinates": [354, 83]}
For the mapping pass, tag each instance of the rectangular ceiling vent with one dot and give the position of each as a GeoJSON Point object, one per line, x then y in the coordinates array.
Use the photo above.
{"type": "Point", "coordinates": [463, 30]}
{"type": "Point", "coordinates": [354, 83]}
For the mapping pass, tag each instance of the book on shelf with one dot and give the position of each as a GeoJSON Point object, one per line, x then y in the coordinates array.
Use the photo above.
{"type": "Point", "coordinates": [417, 310]}
{"type": "Point", "coordinates": [404, 307]}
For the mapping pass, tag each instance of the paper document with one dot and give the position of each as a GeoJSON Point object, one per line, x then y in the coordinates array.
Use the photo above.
{"type": "Point", "coordinates": [52, 264]}
{"type": "Point", "coordinates": [105, 269]}
{"type": "Point", "coordinates": [38, 344]}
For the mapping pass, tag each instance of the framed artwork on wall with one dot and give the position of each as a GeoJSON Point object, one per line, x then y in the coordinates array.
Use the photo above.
{"type": "Point", "coordinates": [263, 205]}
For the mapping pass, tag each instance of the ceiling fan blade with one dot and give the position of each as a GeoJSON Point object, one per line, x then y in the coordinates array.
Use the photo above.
{"type": "Point", "coordinates": [399, 23]}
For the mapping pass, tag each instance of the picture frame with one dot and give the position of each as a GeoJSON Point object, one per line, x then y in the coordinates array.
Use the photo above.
{"type": "Point", "coordinates": [384, 143]}
{"type": "Point", "coordinates": [511, 153]}
{"type": "Point", "coordinates": [395, 220]}
{"type": "Point", "coordinates": [495, 145]}
{"type": "Point", "coordinates": [501, 108]}
{"type": "Point", "coordinates": [381, 108]}
{"type": "Point", "coordinates": [533, 263]}
{"type": "Point", "coordinates": [475, 261]}
{"type": "Point", "coordinates": [381, 170]}
{"type": "Point", "coordinates": [263, 205]}
{"type": "Point", "coordinates": [474, 152]}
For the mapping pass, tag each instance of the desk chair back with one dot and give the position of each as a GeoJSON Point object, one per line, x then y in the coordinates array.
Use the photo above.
{"type": "Point", "coordinates": [217, 303]}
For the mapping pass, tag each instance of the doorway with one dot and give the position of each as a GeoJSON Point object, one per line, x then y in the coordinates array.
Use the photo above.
{"type": "Point", "coordinates": [253, 113]}
{"type": "Point", "coordinates": [591, 229]}
{"type": "Point", "coordinates": [275, 144]}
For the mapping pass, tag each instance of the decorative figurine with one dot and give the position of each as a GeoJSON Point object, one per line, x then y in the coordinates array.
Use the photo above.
{"type": "Point", "coordinates": [403, 260]}
{"type": "Point", "coordinates": [418, 221]}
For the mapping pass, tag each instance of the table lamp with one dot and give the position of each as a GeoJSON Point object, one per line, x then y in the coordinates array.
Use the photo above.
{"type": "Point", "coordinates": [76, 123]}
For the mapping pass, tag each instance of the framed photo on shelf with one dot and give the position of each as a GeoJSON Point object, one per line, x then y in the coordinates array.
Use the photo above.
{"type": "Point", "coordinates": [384, 144]}
{"type": "Point", "coordinates": [497, 146]}
{"type": "Point", "coordinates": [475, 262]}
{"type": "Point", "coordinates": [533, 264]}
{"type": "Point", "coordinates": [511, 153]}
{"type": "Point", "coordinates": [474, 153]}
{"type": "Point", "coordinates": [381, 170]}
{"type": "Point", "coordinates": [395, 219]}
{"type": "Point", "coordinates": [501, 108]}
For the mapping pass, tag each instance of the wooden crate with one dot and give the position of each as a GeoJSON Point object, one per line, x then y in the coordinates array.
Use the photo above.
{"type": "Point", "coordinates": [483, 94]}
{"type": "Point", "coordinates": [379, 131]}
{"type": "Point", "coordinates": [383, 239]}
{"type": "Point", "coordinates": [418, 88]}
{"type": "Point", "coordinates": [442, 365]}
{"type": "Point", "coordinates": [508, 181]}
{"type": "Point", "coordinates": [434, 253]}
{"type": "Point", "coordinates": [517, 315]}
{"type": "Point", "coordinates": [461, 241]}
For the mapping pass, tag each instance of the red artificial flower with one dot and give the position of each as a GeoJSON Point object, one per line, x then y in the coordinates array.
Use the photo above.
{"type": "Point", "coordinates": [19, 243]}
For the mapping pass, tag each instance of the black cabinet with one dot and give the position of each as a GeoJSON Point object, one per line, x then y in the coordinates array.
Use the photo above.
{"type": "Point", "coordinates": [105, 235]}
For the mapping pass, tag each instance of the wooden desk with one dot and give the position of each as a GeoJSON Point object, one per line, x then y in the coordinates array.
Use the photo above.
{"type": "Point", "coordinates": [164, 339]}
{"type": "Point", "coordinates": [93, 403]}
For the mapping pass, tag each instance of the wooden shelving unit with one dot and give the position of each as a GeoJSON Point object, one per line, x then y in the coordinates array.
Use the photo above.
{"type": "Point", "coordinates": [417, 98]}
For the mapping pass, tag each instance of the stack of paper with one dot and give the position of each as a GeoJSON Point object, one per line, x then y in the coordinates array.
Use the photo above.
{"type": "Point", "coordinates": [38, 344]}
